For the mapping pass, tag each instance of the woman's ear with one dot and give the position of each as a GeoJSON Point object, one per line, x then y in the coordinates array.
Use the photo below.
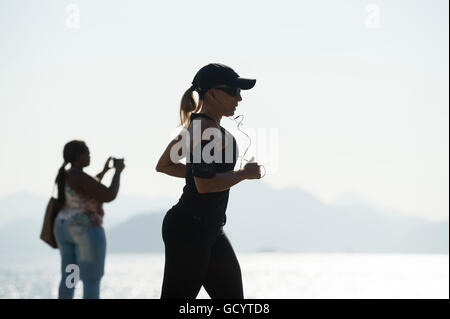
{"type": "Point", "coordinates": [210, 94]}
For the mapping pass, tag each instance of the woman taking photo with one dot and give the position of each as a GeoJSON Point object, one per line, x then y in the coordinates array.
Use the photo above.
{"type": "Point", "coordinates": [78, 227]}
{"type": "Point", "coordinates": [197, 251]}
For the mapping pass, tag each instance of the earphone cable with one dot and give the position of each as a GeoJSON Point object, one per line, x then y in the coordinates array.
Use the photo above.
{"type": "Point", "coordinates": [249, 139]}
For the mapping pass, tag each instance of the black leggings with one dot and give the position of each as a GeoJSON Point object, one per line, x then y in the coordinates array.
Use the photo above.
{"type": "Point", "coordinates": [198, 256]}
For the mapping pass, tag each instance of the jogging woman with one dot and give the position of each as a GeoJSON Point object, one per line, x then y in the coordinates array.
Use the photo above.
{"type": "Point", "coordinates": [78, 227]}
{"type": "Point", "coordinates": [197, 251]}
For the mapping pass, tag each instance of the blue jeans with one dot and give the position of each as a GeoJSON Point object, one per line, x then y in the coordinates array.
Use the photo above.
{"type": "Point", "coordinates": [84, 246]}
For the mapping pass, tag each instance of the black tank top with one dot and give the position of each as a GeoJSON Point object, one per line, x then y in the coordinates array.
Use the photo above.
{"type": "Point", "coordinates": [209, 207]}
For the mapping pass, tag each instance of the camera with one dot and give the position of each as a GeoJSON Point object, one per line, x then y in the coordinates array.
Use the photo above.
{"type": "Point", "coordinates": [115, 160]}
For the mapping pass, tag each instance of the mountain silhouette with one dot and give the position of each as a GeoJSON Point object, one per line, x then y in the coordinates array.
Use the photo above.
{"type": "Point", "coordinates": [259, 218]}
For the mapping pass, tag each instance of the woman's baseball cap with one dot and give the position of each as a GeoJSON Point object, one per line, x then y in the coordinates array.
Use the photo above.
{"type": "Point", "coordinates": [216, 74]}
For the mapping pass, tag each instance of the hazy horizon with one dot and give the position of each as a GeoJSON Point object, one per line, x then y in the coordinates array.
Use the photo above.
{"type": "Point", "coordinates": [133, 224]}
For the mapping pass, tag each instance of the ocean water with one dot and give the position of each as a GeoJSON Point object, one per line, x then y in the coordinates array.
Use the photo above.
{"type": "Point", "coordinates": [265, 275]}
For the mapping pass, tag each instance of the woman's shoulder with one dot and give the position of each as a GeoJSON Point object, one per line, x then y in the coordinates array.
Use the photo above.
{"type": "Point", "coordinates": [201, 124]}
{"type": "Point", "coordinates": [202, 118]}
{"type": "Point", "coordinates": [75, 179]}
{"type": "Point", "coordinates": [73, 175]}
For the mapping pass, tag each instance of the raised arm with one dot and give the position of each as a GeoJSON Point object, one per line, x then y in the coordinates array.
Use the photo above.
{"type": "Point", "coordinates": [106, 168]}
{"type": "Point", "coordinates": [94, 189]}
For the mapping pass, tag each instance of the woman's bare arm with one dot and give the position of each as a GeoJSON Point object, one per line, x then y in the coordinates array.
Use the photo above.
{"type": "Point", "coordinates": [91, 187]}
{"type": "Point", "coordinates": [165, 164]}
{"type": "Point", "coordinates": [106, 168]}
{"type": "Point", "coordinates": [223, 181]}
{"type": "Point", "coordinates": [220, 182]}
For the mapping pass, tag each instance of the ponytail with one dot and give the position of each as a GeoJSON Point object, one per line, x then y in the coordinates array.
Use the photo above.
{"type": "Point", "coordinates": [60, 181]}
{"type": "Point", "coordinates": [71, 150]}
{"type": "Point", "coordinates": [188, 105]}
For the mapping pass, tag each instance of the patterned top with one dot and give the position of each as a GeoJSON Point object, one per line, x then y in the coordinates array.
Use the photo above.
{"type": "Point", "coordinates": [80, 210]}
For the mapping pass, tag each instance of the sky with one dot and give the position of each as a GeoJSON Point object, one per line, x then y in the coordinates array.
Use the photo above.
{"type": "Point", "coordinates": [351, 95]}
